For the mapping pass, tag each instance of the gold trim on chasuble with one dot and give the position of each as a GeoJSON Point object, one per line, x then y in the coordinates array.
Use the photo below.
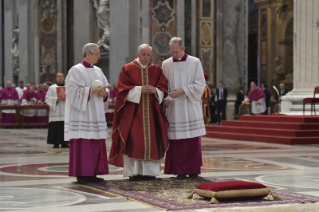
{"type": "Point", "coordinates": [146, 114]}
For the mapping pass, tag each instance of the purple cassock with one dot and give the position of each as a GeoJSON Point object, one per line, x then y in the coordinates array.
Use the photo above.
{"type": "Point", "coordinates": [256, 95]}
{"type": "Point", "coordinates": [88, 157]}
{"type": "Point", "coordinates": [184, 156]}
{"type": "Point", "coordinates": [28, 115]}
{"type": "Point", "coordinates": [41, 115]}
{"type": "Point", "coordinates": [109, 115]}
{"type": "Point", "coordinates": [9, 96]}
{"type": "Point", "coordinates": [113, 93]}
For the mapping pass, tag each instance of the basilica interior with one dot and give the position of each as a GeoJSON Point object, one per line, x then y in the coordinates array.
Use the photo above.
{"type": "Point", "coordinates": [268, 42]}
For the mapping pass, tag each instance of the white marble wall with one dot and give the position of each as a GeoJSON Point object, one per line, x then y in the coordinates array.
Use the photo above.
{"type": "Point", "coordinates": [306, 54]}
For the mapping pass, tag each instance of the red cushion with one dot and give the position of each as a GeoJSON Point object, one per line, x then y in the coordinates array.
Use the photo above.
{"type": "Point", "coordinates": [230, 185]}
{"type": "Point", "coordinates": [233, 185]}
{"type": "Point", "coordinates": [310, 100]}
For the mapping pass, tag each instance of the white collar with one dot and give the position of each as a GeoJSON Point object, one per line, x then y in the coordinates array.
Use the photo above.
{"type": "Point", "coordinates": [138, 60]}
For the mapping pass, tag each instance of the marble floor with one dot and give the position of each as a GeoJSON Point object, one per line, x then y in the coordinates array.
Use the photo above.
{"type": "Point", "coordinates": [33, 175]}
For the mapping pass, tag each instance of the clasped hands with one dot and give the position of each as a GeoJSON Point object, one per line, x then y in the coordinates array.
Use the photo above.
{"type": "Point", "coordinates": [149, 89]}
{"type": "Point", "coordinates": [175, 94]}
{"type": "Point", "coordinates": [100, 91]}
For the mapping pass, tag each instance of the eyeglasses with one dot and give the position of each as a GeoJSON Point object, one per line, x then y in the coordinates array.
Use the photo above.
{"type": "Point", "coordinates": [175, 52]}
{"type": "Point", "coordinates": [96, 54]}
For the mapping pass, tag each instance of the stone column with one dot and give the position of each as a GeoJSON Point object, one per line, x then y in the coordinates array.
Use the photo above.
{"type": "Point", "coordinates": [1, 44]}
{"type": "Point", "coordinates": [25, 26]}
{"type": "Point", "coordinates": [125, 34]}
{"type": "Point", "coordinates": [85, 27]}
{"type": "Point", "coordinates": [231, 48]}
{"type": "Point", "coordinates": [180, 16]}
{"type": "Point", "coordinates": [119, 42]}
{"type": "Point", "coordinates": [8, 26]}
{"type": "Point", "coordinates": [145, 14]}
{"type": "Point", "coordinates": [193, 25]}
{"type": "Point", "coordinates": [306, 54]}
{"type": "Point", "coordinates": [61, 37]}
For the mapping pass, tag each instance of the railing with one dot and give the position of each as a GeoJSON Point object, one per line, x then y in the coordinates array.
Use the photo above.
{"type": "Point", "coordinates": [19, 115]}
{"type": "Point", "coordinates": [19, 122]}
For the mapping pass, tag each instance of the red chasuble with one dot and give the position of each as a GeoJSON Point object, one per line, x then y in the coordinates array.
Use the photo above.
{"type": "Point", "coordinates": [139, 130]}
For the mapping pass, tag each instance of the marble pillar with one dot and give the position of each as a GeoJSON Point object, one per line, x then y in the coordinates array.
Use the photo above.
{"type": "Point", "coordinates": [145, 22]}
{"type": "Point", "coordinates": [1, 44]}
{"type": "Point", "coordinates": [180, 19]}
{"type": "Point", "coordinates": [61, 37]}
{"type": "Point", "coordinates": [9, 13]}
{"type": "Point", "coordinates": [231, 47]}
{"type": "Point", "coordinates": [193, 27]}
{"type": "Point", "coordinates": [306, 54]}
{"type": "Point", "coordinates": [25, 24]}
{"type": "Point", "coordinates": [125, 34]}
{"type": "Point", "coordinates": [85, 27]}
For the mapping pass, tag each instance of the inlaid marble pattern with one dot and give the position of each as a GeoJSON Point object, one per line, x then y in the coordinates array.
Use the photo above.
{"type": "Point", "coordinates": [34, 176]}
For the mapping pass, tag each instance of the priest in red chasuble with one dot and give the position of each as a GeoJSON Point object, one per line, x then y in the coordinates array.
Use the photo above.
{"type": "Point", "coordinates": [139, 127]}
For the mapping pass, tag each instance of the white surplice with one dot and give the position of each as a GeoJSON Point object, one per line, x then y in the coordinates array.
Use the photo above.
{"type": "Point", "coordinates": [84, 119]}
{"type": "Point", "coordinates": [9, 102]}
{"type": "Point", "coordinates": [134, 167]}
{"type": "Point", "coordinates": [56, 108]}
{"type": "Point", "coordinates": [20, 91]}
{"type": "Point", "coordinates": [184, 114]}
{"type": "Point", "coordinates": [29, 113]}
{"type": "Point", "coordinates": [257, 108]}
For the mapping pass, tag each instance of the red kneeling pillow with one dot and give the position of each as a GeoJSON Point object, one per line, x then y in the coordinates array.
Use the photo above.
{"type": "Point", "coordinates": [232, 191]}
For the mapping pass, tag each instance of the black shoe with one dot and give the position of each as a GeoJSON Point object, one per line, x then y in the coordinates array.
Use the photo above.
{"type": "Point", "coordinates": [193, 176]}
{"type": "Point", "coordinates": [64, 146]}
{"type": "Point", "coordinates": [181, 177]}
{"type": "Point", "coordinates": [148, 177]}
{"type": "Point", "coordinates": [135, 178]}
{"type": "Point", "coordinates": [56, 146]}
{"type": "Point", "coordinates": [82, 179]}
{"type": "Point", "coordinates": [96, 179]}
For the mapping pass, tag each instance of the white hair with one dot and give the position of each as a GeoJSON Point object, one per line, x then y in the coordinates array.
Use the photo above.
{"type": "Point", "coordinates": [88, 48]}
{"type": "Point", "coordinates": [143, 46]}
{"type": "Point", "coordinates": [177, 40]}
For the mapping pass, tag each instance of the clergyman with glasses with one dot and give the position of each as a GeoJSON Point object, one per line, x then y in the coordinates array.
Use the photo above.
{"type": "Point", "coordinates": [85, 126]}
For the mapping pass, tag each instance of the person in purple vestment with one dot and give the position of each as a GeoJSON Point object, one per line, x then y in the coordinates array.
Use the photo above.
{"type": "Point", "coordinates": [84, 125]}
{"type": "Point", "coordinates": [9, 96]}
{"type": "Point", "coordinates": [109, 115]}
{"type": "Point", "coordinates": [29, 98]}
{"type": "Point", "coordinates": [113, 92]}
{"type": "Point", "coordinates": [41, 115]}
{"type": "Point", "coordinates": [257, 97]}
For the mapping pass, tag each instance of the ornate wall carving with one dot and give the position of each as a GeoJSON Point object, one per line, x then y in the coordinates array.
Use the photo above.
{"type": "Point", "coordinates": [48, 40]}
{"type": "Point", "coordinates": [163, 28]}
{"type": "Point", "coordinates": [206, 38]}
{"type": "Point", "coordinates": [15, 52]}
